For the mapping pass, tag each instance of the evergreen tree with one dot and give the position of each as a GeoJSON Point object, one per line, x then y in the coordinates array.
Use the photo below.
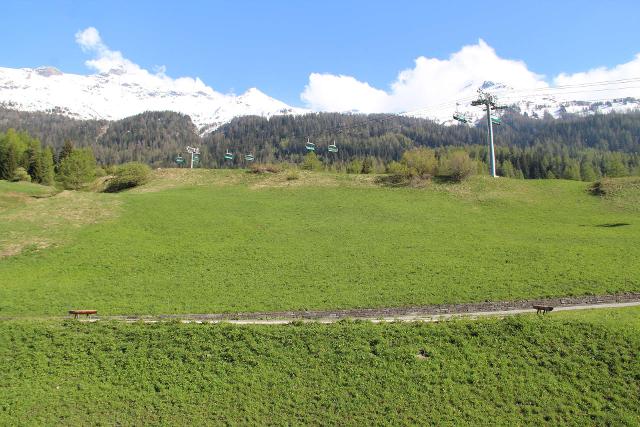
{"type": "Point", "coordinates": [311, 162]}
{"type": "Point", "coordinates": [587, 171]}
{"type": "Point", "coordinates": [35, 168]}
{"type": "Point", "coordinates": [77, 169]}
{"type": "Point", "coordinates": [367, 165]}
{"type": "Point", "coordinates": [66, 151]}
{"type": "Point", "coordinates": [614, 167]}
{"type": "Point", "coordinates": [506, 169]}
{"type": "Point", "coordinates": [47, 176]}
{"type": "Point", "coordinates": [8, 162]}
{"type": "Point", "coordinates": [572, 170]}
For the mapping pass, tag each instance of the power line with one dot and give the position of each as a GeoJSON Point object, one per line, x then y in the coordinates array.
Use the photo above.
{"type": "Point", "coordinates": [506, 94]}
{"type": "Point", "coordinates": [510, 93]}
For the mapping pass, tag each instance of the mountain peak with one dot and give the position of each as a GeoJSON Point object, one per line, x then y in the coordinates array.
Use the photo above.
{"type": "Point", "coordinates": [48, 71]}
{"type": "Point", "coordinates": [122, 92]}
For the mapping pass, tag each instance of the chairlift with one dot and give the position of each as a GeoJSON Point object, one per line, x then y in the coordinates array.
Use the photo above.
{"type": "Point", "coordinates": [496, 120]}
{"type": "Point", "coordinates": [228, 155]}
{"type": "Point", "coordinates": [249, 157]}
{"type": "Point", "coordinates": [333, 148]}
{"type": "Point", "coordinates": [461, 118]}
{"type": "Point", "coordinates": [457, 115]}
{"type": "Point", "coordinates": [310, 146]}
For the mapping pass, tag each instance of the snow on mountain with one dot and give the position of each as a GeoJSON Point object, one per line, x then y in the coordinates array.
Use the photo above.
{"type": "Point", "coordinates": [535, 103]}
{"type": "Point", "coordinates": [123, 92]}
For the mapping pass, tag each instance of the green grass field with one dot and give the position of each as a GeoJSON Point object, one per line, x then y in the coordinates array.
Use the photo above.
{"type": "Point", "coordinates": [565, 369]}
{"type": "Point", "coordinates": [224, 241]}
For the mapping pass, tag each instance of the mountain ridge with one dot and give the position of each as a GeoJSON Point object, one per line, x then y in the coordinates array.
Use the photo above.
{"type": "Point", "coordinates": [121, 93]}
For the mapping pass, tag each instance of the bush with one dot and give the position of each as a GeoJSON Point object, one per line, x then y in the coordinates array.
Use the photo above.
{"type": "Point", "coordinates": [460, 166]}
{"type": "Point", "coordinates": [354, 166]}
{"type": "Point", "coordinates": [367, 166]}
{"type": "Point", "coordinates": [398, 175]}
{"type": "Point", "coordinates": [128, 175]}
{"type": "Point", "coordinates": [420, 162]}
{"type": "Point", "coordinates": [77, 169]}
{"type": "Point", "coordinates": [311, 162]}
{"type": "Point", "coordinates": [292, 175]}
{"type": "Point", "coordinates": [21, 174]}
{"type": "Point", "coordinates": [414, 168]}
{"type": "Point", "coordinates": [260, 168]}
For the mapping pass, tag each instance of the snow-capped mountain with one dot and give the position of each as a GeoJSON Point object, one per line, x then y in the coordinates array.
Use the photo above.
{"type": "Point", "coordinates": [121, 93]}
{"type": "Point", "coordinates": [535, 103]}
{"type": "Point", "coordinates": [125, 91]}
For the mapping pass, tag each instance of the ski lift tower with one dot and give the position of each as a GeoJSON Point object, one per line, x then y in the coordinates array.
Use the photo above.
{"type": "Point", "coordinates": [490, 102]}
{"type": "Point", "coordinates": [194, 151]}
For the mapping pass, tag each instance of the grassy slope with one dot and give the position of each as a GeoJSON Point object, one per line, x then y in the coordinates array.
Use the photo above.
{"type": "Point", "coordinates": [517, 371]}
{"type": "Point", "coordinates": [233, 242]}
{"type": "Point", "coordinates": [628, 317]}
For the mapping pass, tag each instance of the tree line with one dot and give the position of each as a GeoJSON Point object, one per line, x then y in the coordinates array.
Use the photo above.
{"type": "Point", "coordinates": [23, 158]}
{"type": "Point", "coordinates": [573, 147]}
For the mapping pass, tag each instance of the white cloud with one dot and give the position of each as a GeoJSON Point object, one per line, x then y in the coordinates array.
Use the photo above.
{"type": "Point", "coordinates": [106, 60]}
{"type": "Point", "coordinates": [89, 39]}
{"type": "Point", "coordinates": [590, 89]}
{"type": "Point", "coordinates": [433, 82]}
{"type": "Point", "coordinates": [343, 93]}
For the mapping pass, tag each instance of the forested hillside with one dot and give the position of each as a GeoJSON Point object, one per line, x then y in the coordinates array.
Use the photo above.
{"type": "Point", "coordinates": [572, 147]}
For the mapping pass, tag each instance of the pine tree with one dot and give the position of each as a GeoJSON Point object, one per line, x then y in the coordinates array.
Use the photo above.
{"type": "Point", "coordinates": [34, 165]}
{"type": "Point", "coordinates": [506, 169]}
{"type": "Point", "coordinates": [77, 169]}
{"type": "Point", "coordinates": [367, 165]}
{"type": "Point", "coordinates": [66, 151]}
{"type": "Point", "coordinates": [47, 176]}
{"type": "Point", "coordinates": [588, 172]}
{"type": "Point", "coordinates": [613, 167]}
{"type": "Point", "coordinates": [571, 170]}
{"type": "Point", "coordinates": [8, 162]}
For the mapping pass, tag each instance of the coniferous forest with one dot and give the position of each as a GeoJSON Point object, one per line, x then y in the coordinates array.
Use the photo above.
{"type": "Point", "coordinates": [579, 148]}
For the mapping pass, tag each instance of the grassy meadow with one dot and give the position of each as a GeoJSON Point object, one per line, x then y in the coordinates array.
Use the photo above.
{"type": "Point", "coordinates": [568, 369]}
{"type": "Point", "coordinates": [224, 241]}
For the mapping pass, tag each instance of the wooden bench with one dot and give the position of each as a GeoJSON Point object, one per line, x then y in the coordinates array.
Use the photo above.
{"type": "Point", "coordinates": [77, 313]}
{"type": "Point", "coordinates": [544, 309]}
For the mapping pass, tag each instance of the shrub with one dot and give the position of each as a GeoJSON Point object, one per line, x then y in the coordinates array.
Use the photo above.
{"type": "Point", "coordinates": [311, 162]}
{"type": "Point", "coordinates": [77, 169]}
{"type": "Point", "coordinates": [128, 175]}
{"type": "Point", "coordinates": [367, 166]}
{"type": "Point", "coordinates": [21, 174]}
{"type": "Point", "coordinates": [260, 168]}
{"type": "Point", "coordinates": [459, 165]}
{"type": "Point", "coordinates": [414, 168]}
{"type": "Point", "coordinates": [292, 175]}
{"type": "Point", "coordinates": [354, 166]}
{"type": "Point", "coordinates": [398, 175]}
{"type": "Point", "coordinates": [420, 162]}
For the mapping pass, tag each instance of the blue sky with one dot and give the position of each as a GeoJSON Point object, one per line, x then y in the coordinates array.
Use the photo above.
{"type": "Point", "coordinates": [277, 45]}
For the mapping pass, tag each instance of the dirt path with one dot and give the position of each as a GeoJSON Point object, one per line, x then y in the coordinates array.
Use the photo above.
{"type": "Point", "coordinates": [431, 313]}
